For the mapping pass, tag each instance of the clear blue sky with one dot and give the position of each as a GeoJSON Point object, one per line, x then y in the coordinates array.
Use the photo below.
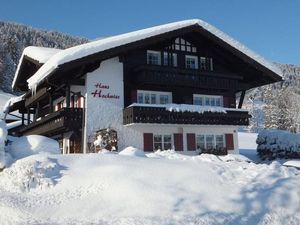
{"type": "Point", "coordinates": [269, 27]}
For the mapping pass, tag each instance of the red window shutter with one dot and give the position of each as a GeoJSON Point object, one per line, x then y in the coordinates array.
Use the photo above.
{"type": "Point", "coordinates": [229, 141]}
{"type": "Point", "coordinates": [178, 142]}
{"type": "Point", "coordinates": [134, 96]}
{"type": "Point", "coordinates": [191, 141]}
{"type": "Point", "coordinates": [148, 142]}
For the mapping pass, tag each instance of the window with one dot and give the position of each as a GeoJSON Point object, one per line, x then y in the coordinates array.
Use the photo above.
{"type": "Point", "coordinates": [200, 142]}
{"type": "Point", "coordinates": [153, 57]}
{"type": "Point", "coordinates": [210, 141]}
{"type": "Point", "coordinates": [181, 44]}
{"type": "Point", "coordinates": [191, 62]}
{"type": "Point", "coordinates": [170, 59]}
{"type": "Point", "coordinates": [208, 100]}
{"type": "Point", "coordinates": [220, 141]}
{"type": "Point", "coordinates": [164, 99]}
{"type": "Point", "coordinates": [162, 142]}
{"type": "Point", "coordinates": [206, 63]}
{"type": "Point", "coordinates": [202, 63]}
{"type": "Point", "coordinates": [154, 97]}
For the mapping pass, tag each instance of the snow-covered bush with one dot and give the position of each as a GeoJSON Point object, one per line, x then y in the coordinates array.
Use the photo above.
{"type": "Point", "coordinates": [33, 144]}
{"type": "Point", "coordinates": [273, 144]}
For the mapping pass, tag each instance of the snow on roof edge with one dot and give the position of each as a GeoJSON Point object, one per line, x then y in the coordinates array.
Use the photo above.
{"type": "Point", "coordinates": [40, 54]}
{"type": "Point", "coordinates": [90, 48]}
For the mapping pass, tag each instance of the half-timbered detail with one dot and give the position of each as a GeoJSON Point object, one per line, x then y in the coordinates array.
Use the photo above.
{"type": "Point", "coordinates": [167, 87]}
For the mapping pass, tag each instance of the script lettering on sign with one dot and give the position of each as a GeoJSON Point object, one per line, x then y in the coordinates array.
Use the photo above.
{"type": "Point", "coordinates": [102, 91]}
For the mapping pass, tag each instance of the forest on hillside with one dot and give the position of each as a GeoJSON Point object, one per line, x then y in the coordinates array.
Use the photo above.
{"type": "Point", "coordinates": [15, 37]}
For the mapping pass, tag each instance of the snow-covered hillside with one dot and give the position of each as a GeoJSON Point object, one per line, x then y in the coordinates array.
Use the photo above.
{"type": "Point", "coordinates": [162, 188]}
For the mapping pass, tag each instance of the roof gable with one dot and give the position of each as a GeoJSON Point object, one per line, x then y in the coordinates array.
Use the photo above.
{"type": "Point", "coordinates": [87, 50]}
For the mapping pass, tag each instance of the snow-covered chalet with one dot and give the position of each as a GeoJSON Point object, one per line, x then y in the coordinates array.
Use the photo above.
{"type": "Point", "coordinates": [176, 86]}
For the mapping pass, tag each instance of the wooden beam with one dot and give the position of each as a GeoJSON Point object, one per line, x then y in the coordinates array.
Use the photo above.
{"type": "Point", "coordinates": [241, 99]}
{"type": "Point", "coordinates": [68, 97]}
{"type": "Point", "coordinates": [40, 94]}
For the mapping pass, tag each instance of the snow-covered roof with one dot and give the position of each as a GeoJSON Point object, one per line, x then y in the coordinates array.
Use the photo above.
{"type": "Point", "coordinates": [90, 48]}
{"type": "Point", "coordinates": [39, 54]}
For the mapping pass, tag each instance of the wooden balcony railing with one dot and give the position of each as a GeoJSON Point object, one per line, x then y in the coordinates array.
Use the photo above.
{"type": "Point", "coordinates": [149, 74]}
{"type": "Point", "coordinates": [159, 115]}
{"type": "Point", "coordinates": [63, 120]}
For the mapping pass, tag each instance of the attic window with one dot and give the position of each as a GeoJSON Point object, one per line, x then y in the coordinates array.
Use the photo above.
{"type": "Point", "coordinates": [182, 45]}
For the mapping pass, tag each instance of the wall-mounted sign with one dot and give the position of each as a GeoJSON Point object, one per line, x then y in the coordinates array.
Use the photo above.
{"type": "Point", "coordinates": [103, 91]}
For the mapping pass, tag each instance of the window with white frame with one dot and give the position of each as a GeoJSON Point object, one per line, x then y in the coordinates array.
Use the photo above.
{"type": "Point", "coordinates": [210, 141]}
{"type": "Point", "coordinates": [181, 44]}
{"type": "Point", "coordinates": [154, 97]}
{"type": "Point", "coordinates": [191, 62]}
{"type": "Point", "coordinates": [208, 100]}
{"type": "Point", "coordinates": [153, 57]}
{"type": "Point", "coordinates": [162, 141]}
{"type": "Point", "coordinates": [170, 59]}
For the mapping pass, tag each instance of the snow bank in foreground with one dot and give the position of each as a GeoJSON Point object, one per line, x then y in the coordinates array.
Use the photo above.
{"type": "Point", "coordinates": [111, 189]}
{"type": "Point", "coordinates": [33, 144]}
{"type": "Point", "coordinates": [30, 173]}
{"type": "Point", "coordinates": [293, 163]}
{"type": "Point", "coordinates": [131, 151]}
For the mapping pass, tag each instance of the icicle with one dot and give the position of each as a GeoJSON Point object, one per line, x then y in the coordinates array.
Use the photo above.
{"type": "Point", "coordinates": [33, 88]}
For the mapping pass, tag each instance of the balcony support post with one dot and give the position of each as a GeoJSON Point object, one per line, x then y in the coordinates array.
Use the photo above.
{"type": "Point", "coordinates": [68, 97]}
{"type": "Point", "coordinates": [50, 103]}
{"type": "Point", "coordinates": [28, 116]}
{"type": "Point", "coordinates": [241, 99]}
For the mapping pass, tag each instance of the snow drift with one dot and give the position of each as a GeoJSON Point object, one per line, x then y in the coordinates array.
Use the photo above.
{"type": "Point", "coordinates": [33, 144]}
{"type": "Point", "coordinates": [167, 189]}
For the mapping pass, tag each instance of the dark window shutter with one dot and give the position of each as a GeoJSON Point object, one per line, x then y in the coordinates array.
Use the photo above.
{"type": "Point", "coordinates": [72, 101]}
{"type": "Point", "coordinates": [134, 96]}
{"type": "Point", "coordinates": [148, 142]}
{"type": "Point", "coordinates": [229, 141]}
{"type": "Point", "coordinates": [226, 101]}
{"type": "Point", "coordinates": [191, 142]}
{"type": "Point", "coordinates": [178, 142]}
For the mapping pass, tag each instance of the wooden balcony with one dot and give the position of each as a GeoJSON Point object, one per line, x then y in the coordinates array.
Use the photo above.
{"type": "Point", "coordinates": [159, 115]}
{"type": "Point", "coordinates": [160, 75]}
{"type": "Point", "coordinates": [63, 120]}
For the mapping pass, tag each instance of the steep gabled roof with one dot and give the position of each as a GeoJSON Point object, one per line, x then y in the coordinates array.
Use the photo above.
{"type": "Point", "coordinates": [81, 51]}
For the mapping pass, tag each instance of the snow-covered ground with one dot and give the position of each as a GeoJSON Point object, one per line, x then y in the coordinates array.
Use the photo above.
{"type": "Point", "coordinates": [162, 188]}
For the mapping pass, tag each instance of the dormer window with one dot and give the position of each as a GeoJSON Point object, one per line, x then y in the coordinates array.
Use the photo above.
{"type": "Point", "coordinates": [191, 62]}
{"type": "Point", "coordinates": [153, 57]}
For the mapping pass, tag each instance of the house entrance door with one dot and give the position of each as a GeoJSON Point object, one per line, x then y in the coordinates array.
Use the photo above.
{"type": "Point", "coordinates": [75, 143]}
